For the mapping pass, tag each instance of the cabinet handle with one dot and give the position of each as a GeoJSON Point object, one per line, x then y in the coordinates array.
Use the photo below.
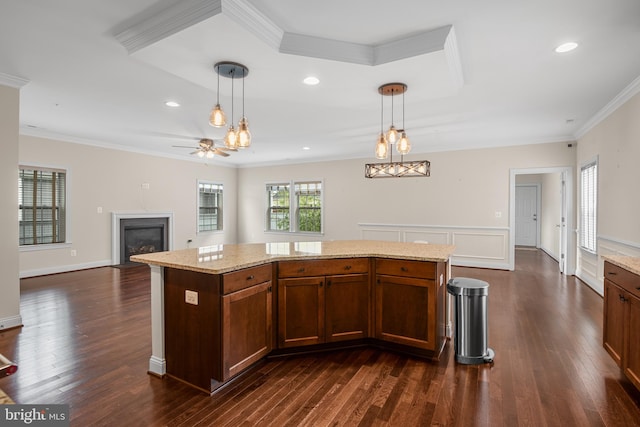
{"type": "Point", "coordinates": [328, 282]}
{"type": "Point", "coordinates": [269, 289]}
{"type": "Point", "coordinates": [347, 267]}
{"type": "Point", "coordinates": [612, 273]}
{"type": "Point", "coordinates": [321, 284]}
{"type": "Point", "coordinates": [301, 269]}
{"type": "Point", "coordinates": [405, 269]}
{"type": "Point", "coordinates": [622, 298]}
{"type": "Point", "coordinates": [250, 277]}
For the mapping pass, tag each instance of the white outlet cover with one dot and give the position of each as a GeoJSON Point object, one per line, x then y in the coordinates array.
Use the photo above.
{"type": "Point", "coordinates": [191, 297]}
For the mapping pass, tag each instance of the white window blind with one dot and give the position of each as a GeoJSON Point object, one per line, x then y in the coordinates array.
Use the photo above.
{"type": "Point", "coordinates": [209, 206]}
{"type": "Point", "coordinates": [41, 206]}
{"type": "Point", "coordinates": [588, 206]}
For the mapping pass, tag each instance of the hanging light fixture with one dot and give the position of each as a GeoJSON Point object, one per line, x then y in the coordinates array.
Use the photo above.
{"type": "Point", "coordinates": [217, 117]}
{"type": "Point", "coordinates": [241, 137]}
{"type": "Point", "coordinates": [394, 136]}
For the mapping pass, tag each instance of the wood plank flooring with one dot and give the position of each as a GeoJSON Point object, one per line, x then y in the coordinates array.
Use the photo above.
{"type": "Point", "coordinates": [86, 343]}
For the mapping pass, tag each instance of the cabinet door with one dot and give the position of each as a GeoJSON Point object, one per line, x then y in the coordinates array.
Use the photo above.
{"type": "Point", "coordinates": [300, 311]}
{"type": "Point", "coordinates": [246, 327]}
{"type": "Point", "coordinates": [614, 320]}
{"type": "Point", "coordinates": [406, 311]}
{"type": "Point", "coordinates": [632, 349]}
{"type": "Point", "coordinates": [347, 307]}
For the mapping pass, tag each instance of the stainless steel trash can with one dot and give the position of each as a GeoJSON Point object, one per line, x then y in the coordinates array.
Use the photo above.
{"type": "Point", "coordinates": [470, 317]}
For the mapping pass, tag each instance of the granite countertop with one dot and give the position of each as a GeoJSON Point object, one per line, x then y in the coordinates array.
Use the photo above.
{"type": "Point", "coordinates": [217, 259]}
{"type": "Point", "coordinates": [630, 263]}
{"type": "Point", "coordinates": [4, 399]}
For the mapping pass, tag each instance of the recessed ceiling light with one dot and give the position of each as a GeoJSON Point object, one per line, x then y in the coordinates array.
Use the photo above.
{"type": "Point", "coordinates": [306, 148]}
{"type": "Point", "coordinates": [566, 47]}
{"type": "Point", "coordinates": [311, 81]}
{"type": "Point", "coordinates": [171, 104]}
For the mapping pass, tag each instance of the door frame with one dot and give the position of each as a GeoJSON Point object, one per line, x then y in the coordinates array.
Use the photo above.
{"type": "Point", "coordinates": [538, 201]}
{"type": "Point", "coordinates": [568, 236]}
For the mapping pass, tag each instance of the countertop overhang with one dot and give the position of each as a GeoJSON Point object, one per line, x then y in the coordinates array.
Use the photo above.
{"type": "Point", "coordinates": [627, 262]}
{"type": "Point", "coordinates": [223, 258]}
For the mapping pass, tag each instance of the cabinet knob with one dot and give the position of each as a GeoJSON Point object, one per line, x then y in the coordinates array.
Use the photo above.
{"type": "Point", "coordinates": [405, 269]}
{"type": "Point", "coordinates": [250, 277]}
{"type": "Point", "coordinates": [622, 298]}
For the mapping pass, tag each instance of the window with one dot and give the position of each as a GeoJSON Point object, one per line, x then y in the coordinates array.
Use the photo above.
{"type": "Point", "coordinates": [297, 211]}
{"type": "Point", "coordinates": [41, 206]}
{"type": "Point", "coordinates": [278, 200]}
{"type": "Point", "coordinates": [588, 205]}
{"type": "Point", "coordinates": [209, 206]}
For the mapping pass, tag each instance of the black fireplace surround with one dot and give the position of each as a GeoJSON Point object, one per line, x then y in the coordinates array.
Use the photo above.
{"type": "Point", "coordinates": [142, 236]}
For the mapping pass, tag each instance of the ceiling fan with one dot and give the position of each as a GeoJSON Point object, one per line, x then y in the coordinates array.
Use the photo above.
{"type": "Point", "coordinates": [207, 148]}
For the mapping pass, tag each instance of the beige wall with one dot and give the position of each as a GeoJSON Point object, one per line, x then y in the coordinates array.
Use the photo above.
{"type": "Point", "coordinates": [112, 180]}
{"type": "Point", "coordinates": [465, 191]}
{"type": "Point", "coordinates": [9, 283]}
{"type": "Point", "coordinates": [616, 143]}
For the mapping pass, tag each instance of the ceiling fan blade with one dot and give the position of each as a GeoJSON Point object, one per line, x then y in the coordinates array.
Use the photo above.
{"type": "Point", "coordinates": [183, 146]}
{"type": "Point", "coordinates": [218, 152]}
{"type": "Point", "coordinates": [226, 149]}
{"type": "Point", "coordinates": [195, 152]}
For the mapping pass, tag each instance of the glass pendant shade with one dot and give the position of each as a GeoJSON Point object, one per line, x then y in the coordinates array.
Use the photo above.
{"type": "Point", "coordinates": [404, 145]}
{"type": "Point", "coordinates": [210, 154]}
{"type": "Point", "coordinates": [217, 118]}
{"type": "Point", "coordinates": [231, 138]}
{"type": "Point", "coordinates": [201, 154]}
{"type": "Point", "coordinates": [382, 148]}
{"type": "Point", "coordinates": [392, 135]}
{"type": "Point", "coordinates": [244, 136]}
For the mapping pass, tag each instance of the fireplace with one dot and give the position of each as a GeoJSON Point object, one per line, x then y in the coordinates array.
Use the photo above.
{"type": "Point", "coordinates": [135, 234]}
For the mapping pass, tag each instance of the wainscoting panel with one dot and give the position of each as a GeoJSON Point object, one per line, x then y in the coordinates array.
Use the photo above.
{"type": "Point", "coordinates": [485, 247]}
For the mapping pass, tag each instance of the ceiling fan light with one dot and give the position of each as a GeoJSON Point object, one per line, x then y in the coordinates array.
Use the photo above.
{"type": "Point", "coordinates": [404, 145]}
{"type": "Point", "coordinates": [217, 117]}
{"type": "Point", "coordinates": [210, 154]}
{"type": "Point", "coordinates": [231, 138]}
{"type": "Point", "coordinates": [201, 154]}
{"type": "Point", "coordinates": [382, 148]}
{"type": "Point", "coordinates": [244, 136]}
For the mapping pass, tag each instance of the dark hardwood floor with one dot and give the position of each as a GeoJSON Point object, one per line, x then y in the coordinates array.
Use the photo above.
{"type": "Point", "coordinates": [86, 343]}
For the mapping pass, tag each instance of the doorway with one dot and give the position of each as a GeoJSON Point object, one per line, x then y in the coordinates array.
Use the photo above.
{"type": "Point", "coordinates": [556, 234]}
{"type": "Point", "coordinates": [527, 228]}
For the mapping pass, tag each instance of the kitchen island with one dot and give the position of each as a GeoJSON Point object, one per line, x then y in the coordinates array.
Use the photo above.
{"type": "Point", "coordinates": [218, 310]}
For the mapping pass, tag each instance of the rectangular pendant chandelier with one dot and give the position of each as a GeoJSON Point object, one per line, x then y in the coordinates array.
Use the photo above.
{"type": "Point", "coordinates": [415, 168]}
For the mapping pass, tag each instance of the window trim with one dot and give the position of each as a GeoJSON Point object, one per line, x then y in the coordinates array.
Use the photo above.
{"type": "Point", "coordinates": [293, 207]}
{"type": "Point", "coordinates": [582, 234]}
{"type": "Point", "coordinates": [220, 209]}
{"type": "Point", "coordinates": [68, 203]}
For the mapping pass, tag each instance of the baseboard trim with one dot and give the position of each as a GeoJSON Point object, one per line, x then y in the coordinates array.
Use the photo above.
{"type": "Point", "coordinates": [63, 268]}
{"type": "Point", "coordinates": [589, 281]}
{"type": "Point", "coordinates": [10, 322]}
{"type": "Point", "coordinates": [478, 264]}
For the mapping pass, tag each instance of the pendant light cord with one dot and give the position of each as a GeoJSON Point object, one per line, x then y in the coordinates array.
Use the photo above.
{"type": "Point", "coordinates": [218, 94]}
{"type": "Point", "coordinates": [232, 85]}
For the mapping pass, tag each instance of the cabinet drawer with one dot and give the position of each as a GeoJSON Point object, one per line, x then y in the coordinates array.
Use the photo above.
{"type": "Point", "coordinates": [245, 278]}
{"type": "Point", "coordinates": [395, 267]}
{"type": "Point", "coordinates": [323, 267]}
{"type": "Point", "coordinates": [623, 278]}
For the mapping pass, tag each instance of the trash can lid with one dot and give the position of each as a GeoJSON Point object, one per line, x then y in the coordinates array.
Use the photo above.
{"type": "Point", "coordinates": [467, 286]}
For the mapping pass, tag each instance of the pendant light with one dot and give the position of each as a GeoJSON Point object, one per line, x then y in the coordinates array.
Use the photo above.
{"type": "Point", "coordinates": [240, 138]}
{"type": "Point", "coordinates": [393, 169]}
{"type": "Point", "coordinates": [244, 136]}
{"type": "Point", "coordinates": [217, 117]}
{"type": "Point", "coordinates": [382, 147]}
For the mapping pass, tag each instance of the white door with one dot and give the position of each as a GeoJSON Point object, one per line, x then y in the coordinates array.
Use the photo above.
{"type": "Point", "coordinates": [526, 213]}
{"type": "Point", "coordinates": [563, 224]}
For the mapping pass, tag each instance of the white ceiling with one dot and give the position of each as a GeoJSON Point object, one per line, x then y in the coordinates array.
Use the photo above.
{"type": "Point", "coordinates": [479, 74]}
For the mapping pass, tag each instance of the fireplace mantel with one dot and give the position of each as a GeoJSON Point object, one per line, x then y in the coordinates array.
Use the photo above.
{"type": "Point", "coordinates": [115, 229]}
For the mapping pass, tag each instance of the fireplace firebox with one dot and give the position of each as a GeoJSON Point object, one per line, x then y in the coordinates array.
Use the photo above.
{"type": "Point", "coordinates": [141, 236]}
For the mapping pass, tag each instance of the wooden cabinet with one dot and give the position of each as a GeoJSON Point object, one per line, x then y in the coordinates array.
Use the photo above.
{"type": "Point", "coordinates": [216, 325]}
{"type": "Point", "coordinates": [316, 309]}
{"type": "Point", "coordinates": [621, 329]}
{"type": "Point", "coordinates": [410, 301]}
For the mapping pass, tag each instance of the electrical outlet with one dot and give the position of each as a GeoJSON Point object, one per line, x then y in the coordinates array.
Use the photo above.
{"type": "Point", "coordinates": [191, 297]}
{"type": "Point", "coordinates": [99, 210]}
{"type": "Point", "coordinates": [73, 252]}
{"type": "Point", "coordinates": [145, 186]}
{"type": "Point", "coordinates": [498, 214]}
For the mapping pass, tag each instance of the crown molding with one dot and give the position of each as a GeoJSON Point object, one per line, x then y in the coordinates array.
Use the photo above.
{"type": "Point", "coordinates": [336, 50]}
{"type": "Point", "coordinates": [12, 81]}
{"type": "Point", "coordinates": [408, 47]}
{"type": "Point", "coordinates": [158, 25]}
{"type": "Point", "coordinates": [626, 94]}
{"type": "Point", "coordinates": [245, 14]}
{"type": "Point", "coordinates": [453, 59]}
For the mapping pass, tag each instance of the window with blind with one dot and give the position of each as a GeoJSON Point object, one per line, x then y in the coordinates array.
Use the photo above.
{"type": "Point", "coordinates": [299, 210]}
{"type": "Point", "coordinates": [588, 205]}
{"type": "Point", "coordinates": [41, 206]}
{"type": "Point", "coordinates": [209, 206]}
